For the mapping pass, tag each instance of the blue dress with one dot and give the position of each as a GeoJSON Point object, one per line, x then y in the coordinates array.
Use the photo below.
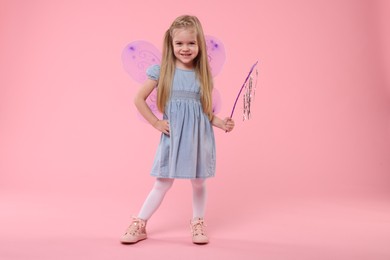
{"type": "Point", "coordinates": [189, 151]}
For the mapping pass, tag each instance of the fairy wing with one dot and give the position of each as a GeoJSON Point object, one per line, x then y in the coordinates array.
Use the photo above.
{"type": "Point", "coordinates": [216, 54]}
{"type": "Point", "coordinates": [137, 56]}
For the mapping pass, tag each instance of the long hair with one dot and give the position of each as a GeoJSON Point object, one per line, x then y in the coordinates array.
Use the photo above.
{"type": "Point", "coordinates": [201, 65]}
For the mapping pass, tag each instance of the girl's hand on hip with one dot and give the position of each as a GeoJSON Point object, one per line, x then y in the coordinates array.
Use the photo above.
{"type": "Point", "coordinates": [162, 126]}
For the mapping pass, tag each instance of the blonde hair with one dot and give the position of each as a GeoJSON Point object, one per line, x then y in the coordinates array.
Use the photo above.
{"type": "Point", "coordinates": [201, 65]}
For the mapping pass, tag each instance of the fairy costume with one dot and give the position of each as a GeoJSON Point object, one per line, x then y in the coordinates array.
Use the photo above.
{"type": "Point", "coordinates": [189, 151]}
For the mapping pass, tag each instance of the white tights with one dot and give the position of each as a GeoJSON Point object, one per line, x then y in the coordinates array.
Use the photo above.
{"type": "Point", "coordinates": [160, 188]}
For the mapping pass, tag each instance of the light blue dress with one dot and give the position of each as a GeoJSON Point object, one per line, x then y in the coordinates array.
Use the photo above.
{"type": "Point", "coordinates": [189, 151]}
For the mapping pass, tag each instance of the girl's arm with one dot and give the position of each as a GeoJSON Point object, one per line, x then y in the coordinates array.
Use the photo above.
{"type": "Point", "coordinates": [226, 124]}
{"type": "Point", "coordinates": [143, 108]}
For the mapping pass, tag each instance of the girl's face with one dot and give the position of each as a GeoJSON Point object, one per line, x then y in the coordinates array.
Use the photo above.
{"type": "Point", "coordinates": [185, 47]}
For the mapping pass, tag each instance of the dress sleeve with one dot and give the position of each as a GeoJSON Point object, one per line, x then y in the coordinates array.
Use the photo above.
{"type": "Point", "coordinates": [153, 72]}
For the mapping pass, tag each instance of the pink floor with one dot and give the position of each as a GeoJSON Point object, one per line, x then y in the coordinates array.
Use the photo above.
{"type": "Point", "coordinates": [54, 227]}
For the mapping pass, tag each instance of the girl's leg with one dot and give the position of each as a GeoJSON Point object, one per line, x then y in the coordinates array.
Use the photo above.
{"type": "Point", "coordinates": [137, 229]}
{"type": "Point", "coordinates": [198, 205]}
{"type": "Point", "coordinates": [199, 196]}
{"type": "Point", "coordinates": [155, 197]}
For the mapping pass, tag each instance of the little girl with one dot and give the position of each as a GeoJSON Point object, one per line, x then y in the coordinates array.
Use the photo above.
{"type": "Point", "coordinates": [187, 145]}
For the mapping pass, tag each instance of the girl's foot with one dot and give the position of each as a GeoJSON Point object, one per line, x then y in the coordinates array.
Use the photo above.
{"type": "Point", "coordinates": [198, 231]}
{"type": "Point", "coordinates": [135, 232]}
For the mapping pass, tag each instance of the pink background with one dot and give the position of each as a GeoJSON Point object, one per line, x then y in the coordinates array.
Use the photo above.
{"type": "Point", "coordinates": [306, 178]}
